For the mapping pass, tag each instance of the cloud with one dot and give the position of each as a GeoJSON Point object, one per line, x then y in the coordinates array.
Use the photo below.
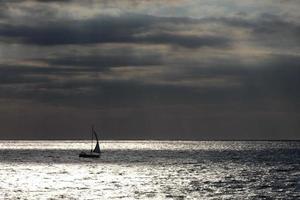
{"type": "Point", "coordinates": [42, 1]}
{"type": "Point", "coordinates": [267, 29]}
{"type": "Point", "coordinates": [83, 82]}
{"type": "Point", "coordinates": [102, 62]}
{"type": "Point", "coordinates": [171, 64]}
{"type": "Point", "coordinates": [108, 29]}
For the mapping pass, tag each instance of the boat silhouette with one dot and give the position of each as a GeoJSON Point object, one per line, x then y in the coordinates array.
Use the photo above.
{"type": "Point", "coordinates": [93, 153]}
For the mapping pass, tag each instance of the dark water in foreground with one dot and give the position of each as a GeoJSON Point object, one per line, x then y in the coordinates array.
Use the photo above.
{"type": "Point", "coordinates": [150, 170]}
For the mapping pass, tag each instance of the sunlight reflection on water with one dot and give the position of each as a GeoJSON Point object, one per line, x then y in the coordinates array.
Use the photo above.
{"type": "Point", "coordinates": [150, 170]}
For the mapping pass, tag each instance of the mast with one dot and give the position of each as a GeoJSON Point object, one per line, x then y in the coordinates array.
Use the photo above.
{"type": "Point", "coordinates": [92, 138]}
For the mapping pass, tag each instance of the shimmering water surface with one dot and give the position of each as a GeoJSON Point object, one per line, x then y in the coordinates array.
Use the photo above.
{"type": "Point", "coordinates": [150, 170]}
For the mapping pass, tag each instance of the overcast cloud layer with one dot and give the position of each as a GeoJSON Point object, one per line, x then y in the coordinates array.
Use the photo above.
{"type": "Point", "coordinates": [176, 69]}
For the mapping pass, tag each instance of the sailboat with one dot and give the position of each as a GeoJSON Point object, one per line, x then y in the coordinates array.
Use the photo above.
{"type": "Point", "coordinates": [93, 153]}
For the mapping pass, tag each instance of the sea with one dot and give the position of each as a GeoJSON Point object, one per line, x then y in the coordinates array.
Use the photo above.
{"type": "Point", "coordinates": [150, 170]}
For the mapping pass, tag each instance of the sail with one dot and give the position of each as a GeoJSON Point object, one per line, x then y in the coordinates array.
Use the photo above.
{"type": "Point", "coordinates": [97, 148]}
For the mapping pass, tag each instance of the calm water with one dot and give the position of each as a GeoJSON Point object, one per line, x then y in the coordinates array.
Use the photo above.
{"type": "Point", "coordinates": [150, 170]}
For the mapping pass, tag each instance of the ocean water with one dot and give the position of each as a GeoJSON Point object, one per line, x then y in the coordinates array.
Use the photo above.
{"type": "Point", "coordinates": [150, 170]}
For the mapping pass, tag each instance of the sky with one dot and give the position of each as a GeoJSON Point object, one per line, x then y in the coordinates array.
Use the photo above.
{"type": "Point", "coordinates": [150, 69]}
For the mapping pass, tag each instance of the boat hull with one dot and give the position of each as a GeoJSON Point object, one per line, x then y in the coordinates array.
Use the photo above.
{"type": "Point", "coordinates": [84, 155]}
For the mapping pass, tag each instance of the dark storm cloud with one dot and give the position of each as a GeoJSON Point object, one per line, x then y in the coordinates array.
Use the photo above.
{"type": "Point", "coordinates": [279, 79]}
{"type": "Point", "coordinates": [114, 58]}
{"type": "Point", "coordinates": [102, 62]}
{"type": "Point", "coordinates": [132, 28]}
{"type": "Point", "coordinates": [24, 74]}
{"type": "Point", "coordinates": [108, 29]}
{"type": "Point", "coordinates": [19, 78]}
{"type": "Point", "coordinates": [274, 78]}
{"type": "Point", "coordinates": [41, 1]}
{"type": "Point", "coordinates": [46, 1]}
{"type": "Point", "coordinates": [72, 65]}
{"type": "Point", "coordinates": [187, 41]}
{"type": "Point", "coordinates": [266, 28]}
